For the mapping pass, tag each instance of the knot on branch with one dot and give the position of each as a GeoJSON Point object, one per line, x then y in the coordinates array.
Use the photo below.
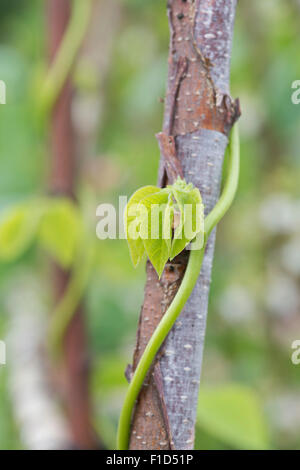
{"type": "Point", "coordinates": [172, 164]}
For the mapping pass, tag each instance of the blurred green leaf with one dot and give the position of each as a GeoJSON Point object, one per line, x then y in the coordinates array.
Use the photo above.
{"type": "Point", "coordinates": [110, 374]}
{"type": "Point", "coordinates": [233, 413]}
{"type": "Point", "coordinates": [60, 230]}
{"type": "Point", "coordinates": [18, 230]}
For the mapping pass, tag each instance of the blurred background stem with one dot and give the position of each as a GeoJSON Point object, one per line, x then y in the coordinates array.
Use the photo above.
{"type": "Point", "coordinates": [63, 182]}
{"type": "Point", "coordinates": [66, 54]}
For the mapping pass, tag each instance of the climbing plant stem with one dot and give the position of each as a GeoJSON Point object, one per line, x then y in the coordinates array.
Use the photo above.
{"type": "Point", "coordinates": [187, 285]}
{"type": "Point", "coordinates": [66, 308]}
{"type": "Point", "coordinates": [66, 55]}
{"type": "Point", "coordinates": [230, 186]}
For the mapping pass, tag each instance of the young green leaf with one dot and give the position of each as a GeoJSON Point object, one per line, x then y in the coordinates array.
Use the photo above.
{"type": "Point", "coordinates": [148, 222]}
{"type": "Point", "coordinates": [191, 218]}
{"type": "Point", "coordinates": [132, 224]}
{"type": "Point", "coordinates": [156, 227]}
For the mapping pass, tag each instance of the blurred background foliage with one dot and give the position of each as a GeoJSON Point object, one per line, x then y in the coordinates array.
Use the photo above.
{"type": "Point", "coordinates": [250, 389]}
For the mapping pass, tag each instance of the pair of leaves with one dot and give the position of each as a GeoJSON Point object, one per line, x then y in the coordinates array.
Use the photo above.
{"type": "Point", "coordinates": [162, 222]}
{"type": "Point", "coordinates": [54, 223]}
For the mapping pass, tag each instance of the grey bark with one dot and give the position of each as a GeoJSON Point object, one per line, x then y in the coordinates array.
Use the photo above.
{"type": "Point", "coordinates": [181, 365]}
{"type": "Point", "coordinates": [199, 114]}
{"type": "Point", "coordinates": [201, 154]}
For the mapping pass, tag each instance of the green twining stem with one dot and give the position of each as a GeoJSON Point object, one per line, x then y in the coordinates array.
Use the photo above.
{"type": "Point", "coordinates": [66, 55]}
{"type": "Point", "coordinates": [187, 285]}
{"type": "Point", "coordinates": [66, 308]}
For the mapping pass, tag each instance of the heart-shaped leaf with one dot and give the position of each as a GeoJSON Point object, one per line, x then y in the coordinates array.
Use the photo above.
{"type": "Point", "coordinates": [149, 218]}
{"type": "Point", "coordinates": [191, 218]}
{"type": "Point", "coordinates": [132, 223]}
{"type": "Point", "coordinates": [156, 227]}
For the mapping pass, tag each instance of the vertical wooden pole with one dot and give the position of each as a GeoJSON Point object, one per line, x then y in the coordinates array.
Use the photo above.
{"type": "Point", "coordinates": [199, 114]}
